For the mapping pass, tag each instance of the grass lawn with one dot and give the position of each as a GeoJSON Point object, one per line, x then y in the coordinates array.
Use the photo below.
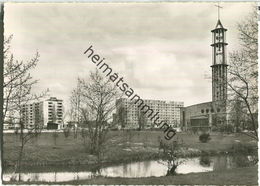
{"type": "Point", "coordinates": [121, 146]}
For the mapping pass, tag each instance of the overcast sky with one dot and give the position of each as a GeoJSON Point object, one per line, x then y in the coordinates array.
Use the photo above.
{"type": "Point", "coordinates": [161, 49]}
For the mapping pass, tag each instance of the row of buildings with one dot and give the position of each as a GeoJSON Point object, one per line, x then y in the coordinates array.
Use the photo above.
{"type": "Point", "coordinates": [49, 114]}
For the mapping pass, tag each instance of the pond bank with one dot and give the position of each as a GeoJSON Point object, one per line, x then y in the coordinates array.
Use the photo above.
{"type": "Point", "coordinates": [236, 176]}
{"type": "Point", "coordinates": [143, 145]}
{"type": "Point", "coordinates": [241, 176]}
{"type": "Point", "coordinates": [134, 156]}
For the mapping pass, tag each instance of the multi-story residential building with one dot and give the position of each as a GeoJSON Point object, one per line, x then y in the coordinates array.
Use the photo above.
{"type": "Point", "coordinates": [43, 113]}
{"type": "Point", "coordinates": [53, 111]}
{"type": "Point", "coordinates": [130, 117]}
{"type": "Point", "coordinates": [32, 114]}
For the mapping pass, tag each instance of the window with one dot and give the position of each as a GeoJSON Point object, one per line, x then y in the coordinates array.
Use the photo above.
{"type": "Point", "coordinates": [211, 110]}
{"type": "Point", "coordinates": [207, 110]}
{"type": "Point", "coordinates": [218, 109]}
{"type": "Point", "coordinates": [202, 111]}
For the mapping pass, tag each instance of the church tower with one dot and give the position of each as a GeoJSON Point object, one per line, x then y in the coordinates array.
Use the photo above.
{"type": "Point", "coordinates": [219, 66]}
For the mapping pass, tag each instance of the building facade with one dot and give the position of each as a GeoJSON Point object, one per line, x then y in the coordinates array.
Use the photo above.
{"type": "Point", "coordinates": [42, 113]}
{"type": "Point", "coordinates": [32, 115]}
{"type": "Point", "coordinates": [129, 116]}
{"type": "Point", "coordinates": [53, 111]}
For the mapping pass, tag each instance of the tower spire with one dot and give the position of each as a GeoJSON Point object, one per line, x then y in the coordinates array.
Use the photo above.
{"type": "Point", "coordinates": [218, 10]}
{"type": "Point", "coordinates": [219, 66]}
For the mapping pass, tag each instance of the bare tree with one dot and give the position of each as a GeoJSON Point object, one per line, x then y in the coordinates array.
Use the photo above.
{"type": "Point", "coordinates": [16, 78]}
{"type": "Point", "coordinates": [121, 116]}
{"type": "Point", "coordinates": [66, 132]}
{"type": "Point", "coordinates": [170, 155]}
{"type": "Point", "coordinates": [75, 106]}
{"type": "Point", "coordinates": [243, 70]}
{"type": "Point", "coordinates": [97, 103]}
{"type": "Point", "coordinates": [142, 119]}
{"type": "Point", "coordinates": [75, 103]}
{"type": "Point", "coordinates": [17, 87]}
{"type": "Point", "coordinates": [84, 136]}
{"type": "Point", "coordinates": [238, 115]}
{"type": "Point", "coordinates": [64, 117]}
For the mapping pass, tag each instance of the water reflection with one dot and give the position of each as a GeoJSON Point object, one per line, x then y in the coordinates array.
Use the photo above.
{"type": "Point", "coordinates": [139, 169]}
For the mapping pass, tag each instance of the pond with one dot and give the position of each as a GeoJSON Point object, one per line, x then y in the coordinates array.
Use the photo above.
{"type": "Point", "coordinates": [134, 170]}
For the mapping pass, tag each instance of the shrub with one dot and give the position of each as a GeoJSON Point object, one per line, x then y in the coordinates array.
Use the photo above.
{"type": "Point", "coordinates": [66, 132]}
{"type": "Point", "coordinates": [205, 161]}
{"type": "Point", "coordinates": [204, 138]}
{"type": "Point", "coordinates": [215, 129]}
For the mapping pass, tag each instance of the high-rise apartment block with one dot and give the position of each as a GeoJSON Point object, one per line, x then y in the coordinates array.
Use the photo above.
{"type": "Point", "coordinates": [130, 117]}
{"type": "Point", "coordinates": [43, 113]}
{"type": "Point", "coordinates": [32, 114]}
{"type": "Point", "coordinates": [53, 111]}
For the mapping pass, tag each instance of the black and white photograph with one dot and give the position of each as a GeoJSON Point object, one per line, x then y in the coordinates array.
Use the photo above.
{"type": "Point", "coordinates": [129, 93]}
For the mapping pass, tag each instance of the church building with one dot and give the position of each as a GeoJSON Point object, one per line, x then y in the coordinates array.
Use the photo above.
{"type": "Point", "coordinates": [214, 113]}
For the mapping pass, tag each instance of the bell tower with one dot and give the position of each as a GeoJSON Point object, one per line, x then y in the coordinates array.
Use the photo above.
{"type": "Point", "coordinates": [219, 66]}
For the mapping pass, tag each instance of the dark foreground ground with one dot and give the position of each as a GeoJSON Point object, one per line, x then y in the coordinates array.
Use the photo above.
{"type": "Point", "coordinates": [238, 176]}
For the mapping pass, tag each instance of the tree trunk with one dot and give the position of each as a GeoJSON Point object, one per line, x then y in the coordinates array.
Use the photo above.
{"type": "Point", "coordinates": [252, 119]}
{"type": "Point", "coordinates": [19, 162]}
{"type": "Point", "coordinates": [172, 170]}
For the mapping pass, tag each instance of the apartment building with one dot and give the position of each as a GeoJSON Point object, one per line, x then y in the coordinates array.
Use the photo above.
{"type": "Point", "coordinates": [53, 111]}
{"type": "Point", "coordinates": [129, 115]}
{"type": "Point", "coordinates": [44, 112]}
{"type": "Point", "coordinates": [32, 114]}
